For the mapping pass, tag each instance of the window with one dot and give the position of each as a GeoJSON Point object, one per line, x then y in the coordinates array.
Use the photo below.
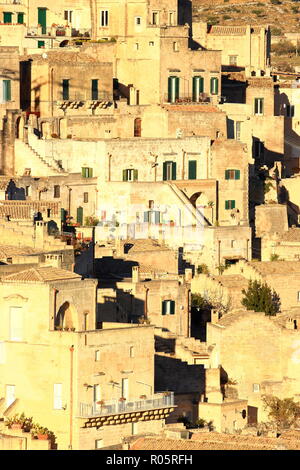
{"type": "Point", "coordinates": [6, 90]}
{"type": "Point", "coordinates": [238, 130]}
{"type": "Point", "coordinates": [232, 243]}
{"type": "Point", "coordinates": [256, 388]}
{"type": "Point", "coordinates": [104, 18]}
{"type": "Point", "coordinates": [7, 17]}
{"type": "Point", "coordinates": [290, 110]}
{"type": "Point", "coordinates": [259, 148]}
{"type": "Point", "coordinates": [198, 87]}
{"type": "Point", "coordinates": [136, 46]}
{"type": "Point", "coordinates": [173, 89]}
{"type": "Point", "coordinates": [65, 89]}
{"type": "Point", "coordinates": [57, 396]}
{"type": "Point", "coordinates": [151, 204]}
{"type": "Point", "coordinates": [16, 323]}
{"type": "Point", "coordinates": [137, 132]}
{"type": "Point", "coordinates": [151, 43]}
{"type": "Point", "coordinates": [131, 351]}
{"type": "Point", "coordinates": [138, 20]}
{"type": "Point", "coordinates": [298, 296]}
{"type": "Point", "coordinates": [134, 429]}
{"type": "Point", "coordinates": [68, 15]}
{"type": "Point", "coordinates": [27, 191]}
{"type": "Point", "coordinates": [259, 106]}
{"type": "Point", "coordinates": [232, 174]}
{"type": "Point", "coordinates": [233, 59]}
{"type": "Point", "coordinates": [171, 18]}
{"type": "Point", "coordinates": [168, 307]}
{"type": "Point", "coordinates": [230, 204]}
{"type": "Point", "coordinates": [87, 172]}
{"type": "Point", "coordinates": [152, 217]}
{"type": "Point", "coordinates": [56, 190]}
{"type": "Point", "coordinates": [99, 444]}
{"type": "Point", "coordinates": [175, 46]}
{"type": "Point", "coordinates": [96, 393]}
{"type": "Point", "coordinates": [10, 395]}
{"type": "Point", "coordinates": [214, 85]}
{"type": "Point", "coordinates": [94, 89]}
{"type": "Point", "coordinates": [130, 175]}
{"type": "Point", "coordinates": [85, 197]}
{"type": "Point", "coordinates": [155, 17]}
{"type": "Point", "coordinates": [20, 18]}
{"type": "Point", "coordinates": [192, 169]}
{"type": "Point", "coordinates": [41, 44]}
{"type": "Point", "coordinates": [97, 355]}
{"type": "Point", "coordinates": [125, 388]}
{"type": "Point", "coordinates": [48, 213]}
{"type": "Point", "coordinates": [169, 171]}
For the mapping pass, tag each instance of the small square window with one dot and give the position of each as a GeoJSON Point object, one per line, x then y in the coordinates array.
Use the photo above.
{"type": "Point", "coordinates": [151, 43]}
{"type": "Point", "coordinates": [256, 388]}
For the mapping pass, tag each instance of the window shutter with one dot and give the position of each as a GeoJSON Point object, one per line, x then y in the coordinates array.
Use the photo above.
{"type": "Point", "coordinates": [6, 90]}
{"type": "Point", "coordinates": [146, 216]}
{"type": "Point", "coordinates": [214, 86]}
{"type": "Point", "coordinates": [90, 172]}
{"type": "Point", "coordinates": [79, 215]}
{"type": "Point", "coordinates": [170, 89]}
{"type": "Point", "coordinates": [237, 174]}
{"type": "Point", "coordinates": [232, 204]}
{"type": "Point", "coordinates": [65, 87]}
{"type": "Point", "coordinates": [20, 18]}
{"type": "Point", "coordinates": [227, 174]}
{"type": "Point", "coordinates": [163, 312]}
{"type": "Point", "coordinates": [157, 217]}
{"type": "Point", "coordinates": [195, 94]}
{"type": "Point", "coordinates": [177, 86]}
{"type": "Point", "coordinates": [164, 171]}
{"type": "Point", "coordinates": [226, 204]}
{"type": "Point", "coordinates": [125, 175]}
{"type": "Point", "coordinates": [94, 89]}
{"type": "Point", "coordinates": [192, 169]}
{"type": "Point", "coordinates": [174, 170]}
{"type": "Point", "coordinates": [7, 17]}
{"type": "Point", "coordinates": [62, 215]}
{"type": "Point", "coordinates": [172, 307]}
{"type": "Point", "coordinates": [135, 175]}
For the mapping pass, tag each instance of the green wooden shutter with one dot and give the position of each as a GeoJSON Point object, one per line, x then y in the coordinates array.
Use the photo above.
{"type": "Point", "coordinates": [146, 216]}
{"type": "Point", "coordinates": [20, 19]}
{"type": "Point", "coordinates": [163, 310]}
{"type": "Point", "coordinates": [164, 171]}
{"type": "Point", "coordinates": [237, 174]}
{"type": "Point", "coordinates": [157, 217]}
{"type": "Point", "coordinates": [177, 87]}
{"type": "Point", "coordinates": [125, 175]}
{"type": "Point", "coordinates": [174, 171]}
{"type": "Point", "coordinates": [42, 19]}
{"type": "Point", "coordinates": [65, 88]}
{"type": "Point", "coordinates": [192, 169]}
{"type": "Point", "coordinates": [41, 44]}
{"type": "Point", "coordinates": [63, 214]}
{"type": "Point", "coordinates": [90, 172]}
{"type": "Point", "coordinates": [227, 174]}
{"type": "Point", "coordinates": [172, 307]}
{"type": "Point", "coordinates": [7, 17]}
{"type": "Point", "coordinates": [135, 175]}
{"type": "Point", "coordinates": [83, 172]}
{"type": "Point", "coordinates": [94, 89]}
{"type": "Point", "coordinates": [6, 90]}
{"type": "Point", "coordinates": [256, 106]}
{"type": "Point", "coordinates": [232, 204]}
{"type": "Point", "coordinates": [79, 215]}
{"type": "Point", "coordinates": [214, 86]}
{"type": "Point", "coordinates": [169, 89]}
{"type": "Point", "coordinates": [226, 205]}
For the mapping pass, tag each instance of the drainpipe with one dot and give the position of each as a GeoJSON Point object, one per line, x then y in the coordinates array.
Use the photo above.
{"type": "Point", "coordinates": [183, 163]}
{"type": "Point", "coordinates": [71, 397]}
{"type": "Point", "coordinates": [55, 291]}
{"type": "Point", "coordinates": [52, 92]}
{"type": "Point", "coordinates": [146, 303]}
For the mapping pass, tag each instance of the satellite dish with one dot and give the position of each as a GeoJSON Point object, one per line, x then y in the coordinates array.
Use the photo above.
{"type": "Point", "coordinates": [44, 55]}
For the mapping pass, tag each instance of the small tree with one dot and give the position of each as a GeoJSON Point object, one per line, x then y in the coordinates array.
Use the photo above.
{"type": "Point", "coordinates": [261, 298]}
{"type": "Point", "coordinates": [282, 413]}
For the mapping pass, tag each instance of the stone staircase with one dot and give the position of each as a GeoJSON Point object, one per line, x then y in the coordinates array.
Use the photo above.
{"type": "Point", "coordinates": [189, 350]}
{"type": "Point", "coordinates": [197, 216]}
{"type": "Point", "coordinates": [27, 157]}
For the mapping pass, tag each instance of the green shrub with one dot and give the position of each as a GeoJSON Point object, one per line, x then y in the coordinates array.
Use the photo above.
{"type": "Point", "coordinates": [276, 2]}
{"type": "Point", "coordinates": [276, 31]}
{"type": "Point", "coordinates": [226, 17]}
{"type": "Point", "coordinates": [284, 47]}
{"type": "Point", "coordinates": [257, 12]}
{"type": "Point", "coordinates": [212, 20]}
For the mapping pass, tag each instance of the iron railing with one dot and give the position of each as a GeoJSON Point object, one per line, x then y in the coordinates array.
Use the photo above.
{"type": "Point", "coordinates": [188, 98]}
{"type": "Point", "coordinates": [110, 407]}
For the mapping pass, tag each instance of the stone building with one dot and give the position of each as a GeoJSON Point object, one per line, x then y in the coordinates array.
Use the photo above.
{"type": "Point", "coordinates": [89, 396]}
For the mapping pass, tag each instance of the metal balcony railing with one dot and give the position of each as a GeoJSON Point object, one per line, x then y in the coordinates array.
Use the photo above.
{"type": "Point", "coordinates": [188, 98]}
{"type": "Point", "coordinates": [159, 400]}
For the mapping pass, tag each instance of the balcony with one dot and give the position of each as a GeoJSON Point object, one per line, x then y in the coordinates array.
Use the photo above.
{"type": "Point", "coordinates": [114, 412]}
{"type": "Point", "coordinates": [114, 407]}
{"type": "Point", "coordinates": [58, 31]}
{"type": "Point", "coordinates": [187, 98]}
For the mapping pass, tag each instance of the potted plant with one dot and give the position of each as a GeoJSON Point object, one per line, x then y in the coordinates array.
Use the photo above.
{"type": "Point", "coordinates": [27, 425]}
{"type": "Point", "coordinates": [16, 421]}
{"type": "Point", "coordinates": [40, 432]}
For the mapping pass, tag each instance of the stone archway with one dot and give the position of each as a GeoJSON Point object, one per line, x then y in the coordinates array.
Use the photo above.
{"type": "Point", "coordinates": [201, 202]}
{"type": "Point", "coordinates": [66, 316]}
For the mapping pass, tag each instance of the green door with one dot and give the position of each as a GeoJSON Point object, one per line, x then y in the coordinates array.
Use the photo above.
{"type": "Point", "coordinates": [7, 17]}
{"type": "Point", "coordinates": [42, 20]}
{"type": "Point", "coordinates": [79, 215]}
